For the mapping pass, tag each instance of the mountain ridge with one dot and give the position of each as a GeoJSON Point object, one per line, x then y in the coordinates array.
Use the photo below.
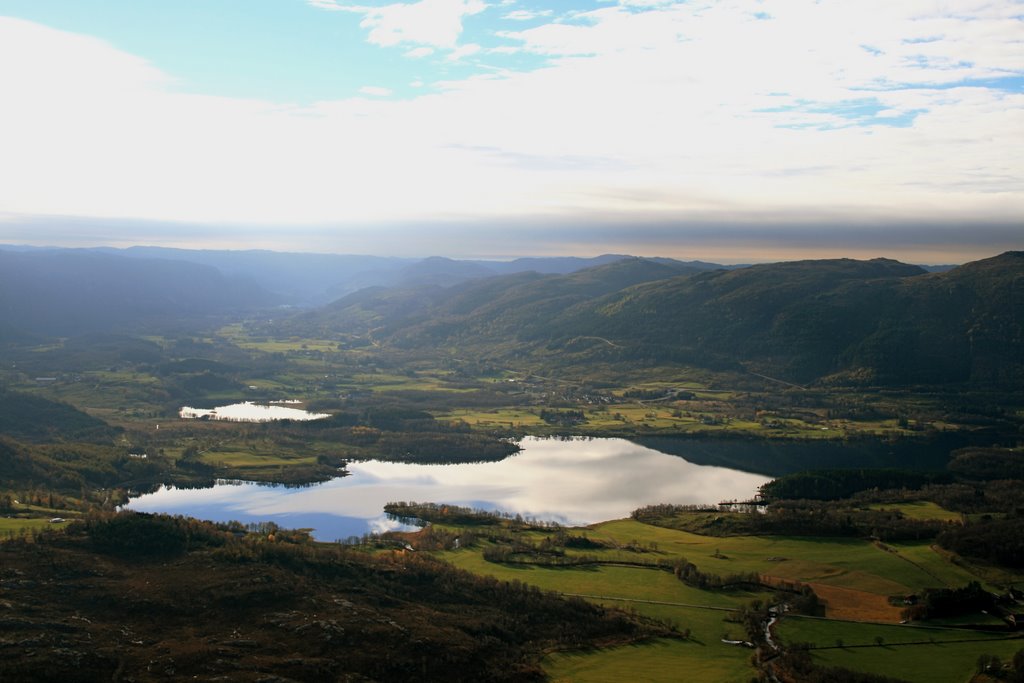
{"type": "Point", "coordinates": [829, 320]}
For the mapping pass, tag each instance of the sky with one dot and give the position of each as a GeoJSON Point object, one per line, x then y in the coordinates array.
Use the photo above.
{"type": "Point", "coordinates": [734, 131]}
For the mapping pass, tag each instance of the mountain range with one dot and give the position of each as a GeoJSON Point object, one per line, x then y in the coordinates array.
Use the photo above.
{"type": "Point", "coordinates": [839, 320]}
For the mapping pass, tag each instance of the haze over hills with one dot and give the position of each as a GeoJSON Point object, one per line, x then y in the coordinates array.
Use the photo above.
{"type": "Point", "coordinates": [311, 279]}
{"type": "Point", "coordinates": [877, 321]}
{"type": "Point", "coordinates": [68, 291]}
{"type": "Point", "coordinates": [509, 305]}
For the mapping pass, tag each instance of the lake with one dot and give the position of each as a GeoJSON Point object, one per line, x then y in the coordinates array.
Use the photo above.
{"type": "Point", "coordinates": [572, 482]}
{"type": "Point", "coordinates": [248, 411]}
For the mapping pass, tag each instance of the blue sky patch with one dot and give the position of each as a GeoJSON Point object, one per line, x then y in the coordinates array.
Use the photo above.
{"type": "Point", "coordinates": [867, 111]}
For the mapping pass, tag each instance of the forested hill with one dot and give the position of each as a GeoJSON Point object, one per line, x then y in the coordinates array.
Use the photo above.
{"type": "Point", "coordinates": [876, 321]}
{"type": "Point", "coordinates": [66, 292]}
{"type": "Point", "coordinates": [842, 320]}
{"type": "Point", "coordinates": [33, 418]}
{"type": "Point", "coordinates": [520, 305]}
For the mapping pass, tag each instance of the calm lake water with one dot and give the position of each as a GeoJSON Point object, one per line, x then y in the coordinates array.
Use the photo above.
{"type": "Point", "coordinates": [572, 482]}
{"type": "Point", "coordinates": [251, 412]}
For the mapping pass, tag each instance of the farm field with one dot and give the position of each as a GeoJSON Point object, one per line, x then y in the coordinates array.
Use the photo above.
{"type": "Point", "coordinates": [852, 577]}
{"type": "Point", "coordinates": [921, 509]}
{"type": "Point", "coordinates": [662, 660]}
{"type": "Point", "coordinates": [941, 662]}
{"type": "Point", "coordinates": [909, 652]}
{"type": "Point", "coordinates": [20, 525]}
{"type": "Point", "coordinates": [703, 656]}
{"type": "Point", "coordinates": [854, 564]}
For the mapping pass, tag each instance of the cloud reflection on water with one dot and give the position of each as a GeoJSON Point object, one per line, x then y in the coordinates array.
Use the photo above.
{"type": "Point", "coordinates": [578, 481]}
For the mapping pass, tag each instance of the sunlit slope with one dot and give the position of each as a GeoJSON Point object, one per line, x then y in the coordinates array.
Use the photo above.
{"type": "Point", "coordinates": [519, 305]}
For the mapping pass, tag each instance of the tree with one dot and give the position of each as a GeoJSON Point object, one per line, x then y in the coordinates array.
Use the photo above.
{"type": "Point", "coordinates": [986, 662]}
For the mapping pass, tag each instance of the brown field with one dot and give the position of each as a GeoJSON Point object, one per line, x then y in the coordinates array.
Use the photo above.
{"type": "Point", "coordinates": [854, 605]}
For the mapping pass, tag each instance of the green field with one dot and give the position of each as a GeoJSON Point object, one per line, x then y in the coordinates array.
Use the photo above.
{"type": "Point", "coordinates": [20, 525]}
{"type": "Point", "coordinates": [941, 662]}
{"type": "Point", "coordinates": [912, 652]}
{"type": "Point", "coordinates": [704, 657]}
{"type": "Point", "coordinates": [926, 556]}
{"type": "Point", "coordinates": [853, 564]}
{"type": "Point", "coordinates": [661, 660]}
{"type": "Point", "coordinates": [848, 563]}
{"type": "Point", "coordinates": [502, 417]}
{"type": "Point", "coordinates": [922, 510]}
{"type": "Point", "coordinates": [246, 459]}
{"type": "Point", "coordinates": [610, 581]}
{"type": "Point", "coordinates": [828, 632]}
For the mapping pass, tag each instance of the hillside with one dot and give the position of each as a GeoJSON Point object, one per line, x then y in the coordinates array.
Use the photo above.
{"type": "Point", "coordinates": [310, 279]}
{"type": "Point", "coordinates": [519, 304]}
{"type": "Point", "coordinates": [135, 597]}
{"type": "Point", "coordinates": [876, 321]}
{"type": "Point", "coordinates": [841, 320]}
{"type": "Point", "coordinates": [34, 418]}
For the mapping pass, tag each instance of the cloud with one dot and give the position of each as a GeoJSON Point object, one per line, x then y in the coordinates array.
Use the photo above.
{"type": "Point", "coordinates": [671, 114]}
{"type": "Point", "coordinates": [332, 5]}
{"type": "Point", "coordinates": [420, 52]}
{"type": "Point", "coordinates": [376, 91]}
{"type": "Point", "coordinates": [435, 23]}
{"type": "Point", "coordinates": [865, 45]}
{"type": "Point", "coordinates": [526, 14]}
{"type": "Point", "coordinates": [462, 51]}
{"type": "Point", "coordinates": [104, 71]}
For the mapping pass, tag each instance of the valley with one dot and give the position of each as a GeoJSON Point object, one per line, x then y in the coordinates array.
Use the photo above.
{"type": "Point", "coordinates": [888, 457]}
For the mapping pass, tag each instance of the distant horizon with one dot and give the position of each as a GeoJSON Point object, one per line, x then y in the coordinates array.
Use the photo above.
{"type": "Point", "coordinates": [717, 241]}
{"type": "Point", "coordinates": [486, 258]}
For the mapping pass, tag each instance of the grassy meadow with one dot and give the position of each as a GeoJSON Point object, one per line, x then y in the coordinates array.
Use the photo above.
{"type": "Point", "coordinates": [853, 577]}
{"type": "Point", "coordinates": [649, 592]}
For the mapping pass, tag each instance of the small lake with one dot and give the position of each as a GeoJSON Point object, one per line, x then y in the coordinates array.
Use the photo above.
{"type": "Point", "coordinates": [249, 411]}
{"type": "Point", "coordinates": [572, 482]}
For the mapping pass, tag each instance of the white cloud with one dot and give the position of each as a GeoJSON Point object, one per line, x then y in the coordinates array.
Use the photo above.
{"type": "Point", "coordinates": [106, 72]}
{"type": "Point", "coordinates": [678, 113]}
{"type": "Point", "coordinates": [462, 51]}
{"type": "Point", "coordinates": [333, 5]}
{"type": "Point", "coordinates": [645, 3]}
{"type": "Point", "coordinates": [527, 14]}
{"type": "Point", "coordinates": [420, 52]}
{"type": "Point", "coordinates": [376, 91]}
{"type": "Point", "coordinates": [437, 23]}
